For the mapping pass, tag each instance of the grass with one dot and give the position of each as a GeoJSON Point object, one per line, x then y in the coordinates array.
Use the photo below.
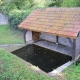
{"type": "Point", "coordinates": [12, 68]}
{"type": "Point", "coordinates": [70, 73]}
{"type": "Point", "coordinates": [73, 72]}
{"type": "Point", "coordinates": [10, 36]}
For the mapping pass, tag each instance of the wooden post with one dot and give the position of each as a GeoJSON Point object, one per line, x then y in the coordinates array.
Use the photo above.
{"type": "Point", "coordinates": [74, 49]}
{"type": "Point", "coordinates": [24, 33]}
{"type": "Point", "coordinates": [56, 39]}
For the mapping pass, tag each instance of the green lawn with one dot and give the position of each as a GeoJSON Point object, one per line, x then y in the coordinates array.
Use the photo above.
{"type": "Point", "coordinates": [70, 73]}
{"type": "Point", "coordinates": [13, 68]}
{"type": "Point", "coordinates": [10, 36]}
{"type": "Point", "coordinates": [73, 72]}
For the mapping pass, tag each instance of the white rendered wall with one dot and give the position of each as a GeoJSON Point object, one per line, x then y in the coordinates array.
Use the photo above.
{"type": "Point", "coordinates": [65, 41]}
{"type": "Point", "coordinates": [61, 40]}
{"type": "Point", "coordinates": [29, 36]}
{"type": "Point", "coordinates": [48, 37]}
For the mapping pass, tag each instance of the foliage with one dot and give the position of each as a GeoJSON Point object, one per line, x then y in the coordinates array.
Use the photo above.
{"type": "Point", "coordinates": [71, 3]}
{"type": "Point", "coordinates": [55, 3]}
{"type": "Point", "coordinates": [13, 68]}
{"type": "Point", "coordinates": [10, 5]}
{"type": "Point", "coordinates": [16, 16]}
{"type": "Point", "coordinates": [7, 6]}
{"type": "Point", "coordinates": [15, 3]}
{"type": "Point", "coordinates": [10, 36]}
{"type": "Point", "coordinates": [0, 2]}
{"type": "Point", "coordinates": [17, 10]}
{"type": "Point", "coordinates": [39, 3]}
{"type": "Point", "coordinates": [47, 3]}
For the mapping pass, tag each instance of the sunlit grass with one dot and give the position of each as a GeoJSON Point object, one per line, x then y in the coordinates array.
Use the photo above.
{"type": "Point", "coordinates": [10, 36]}
{"type": "Point", "coordinates": [73, 72]}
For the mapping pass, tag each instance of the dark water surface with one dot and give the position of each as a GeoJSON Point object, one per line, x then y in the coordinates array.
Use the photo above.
{"type": "Point", "coordinates": [45, 59]}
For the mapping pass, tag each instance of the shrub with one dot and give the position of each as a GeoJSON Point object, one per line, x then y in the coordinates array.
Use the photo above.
{"type": "Point", "coordinates": [7, 6]}
{"type": "Point", "coordinates": [0, 9]}
{"type": "Point", "coordinates": [16, 16]}
{"type": "Point", "coordinates": [71, 3]}
{"type": "Point", "coordinates": [0, 2]}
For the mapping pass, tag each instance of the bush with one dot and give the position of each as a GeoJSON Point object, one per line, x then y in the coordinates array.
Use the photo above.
{"type": "Point", "coordinates": [7, 6]}
{"type": "Point", "coordinates": [16, 17]}
{"type": "Point", "coordinates": [71, 3]}
{"type": "Point", "coordinates": [13, 10]}
{"type": "Point", "coordinates": [0, 9]}
{"type": "Point", "coordinates": [0, 2]}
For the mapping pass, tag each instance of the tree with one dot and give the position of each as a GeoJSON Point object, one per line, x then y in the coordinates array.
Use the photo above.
{"type": "Point", "coordinates": [0, 2]}
{"type": "Point", "coordinates": [71, 3]}
{"type": "Point", "coordinates": [16, 3]}
{"type": "Point", "coordinates": [47, 3]}
{"type": "Point", "coordinates": [56, 3]}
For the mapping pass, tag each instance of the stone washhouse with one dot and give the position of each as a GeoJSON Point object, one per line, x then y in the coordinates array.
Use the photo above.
{"type": "Point", "coordinates": [57, 29]}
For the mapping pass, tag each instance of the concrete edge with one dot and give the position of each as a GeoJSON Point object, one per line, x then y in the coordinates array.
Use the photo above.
{"type": "Point", "coordinates": [61, 68]}
{"type": "Point", "coordinates": [6, 45]}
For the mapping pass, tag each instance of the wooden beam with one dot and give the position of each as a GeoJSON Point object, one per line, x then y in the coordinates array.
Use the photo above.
{"type": "Point", "coordinates": [24, 35]}
{"type": "Point", "coordinates": [57, 39]}
{"type": "Point", "coordinates": [74, 49]}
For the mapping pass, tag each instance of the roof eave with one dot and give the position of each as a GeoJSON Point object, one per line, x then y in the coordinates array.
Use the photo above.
{"type": "Point", "coordinates": [73, 37]}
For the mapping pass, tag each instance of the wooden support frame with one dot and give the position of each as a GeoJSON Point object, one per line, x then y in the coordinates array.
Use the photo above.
{"type": "Point", "coordinates": [74, 49]}
{"type": "Point", "coordinates": [57, 39]}
{"type": "Point", "coordinates": [24, 35]}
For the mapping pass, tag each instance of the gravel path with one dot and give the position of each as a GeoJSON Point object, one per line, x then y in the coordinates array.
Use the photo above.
{"type": "Point", "coordinates": [3, 19]}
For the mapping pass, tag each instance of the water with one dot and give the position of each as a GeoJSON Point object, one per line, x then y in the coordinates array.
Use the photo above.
{"type": "Point", "coordinates": [45, 59]}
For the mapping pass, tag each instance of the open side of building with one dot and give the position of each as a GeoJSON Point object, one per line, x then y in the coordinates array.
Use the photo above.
{"type": "Point", "coordinates": [56, 29]}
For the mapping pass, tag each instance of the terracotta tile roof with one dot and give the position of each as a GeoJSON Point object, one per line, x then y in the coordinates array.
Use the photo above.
{"type": "Point", "coordinates": [57, 21]}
